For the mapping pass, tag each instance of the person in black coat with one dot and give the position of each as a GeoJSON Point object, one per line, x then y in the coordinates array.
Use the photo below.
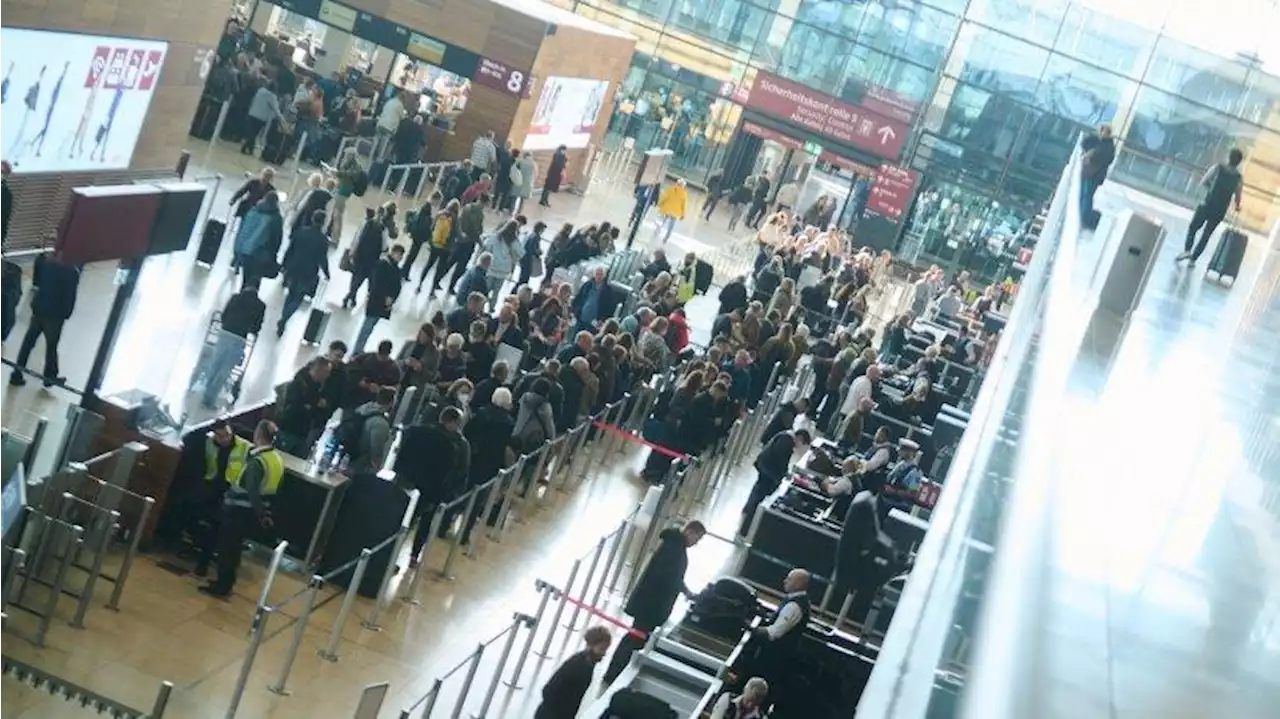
{"type": "Point", "coordinates": [532, 251]}
{"type": "Point", "coordinates": [384, 289]}
{"type": "Point", "coordinates": [420, 230]}
{"type": "Point", "coordinates": [306, 259]}
{"type": "Point", "coordinates": [53, 299]}
{"type": "Point", "coordinates": [655, 593]}
{"type": "Point", "coordinates": [429, 458]}
{"type": "Point", "coordinates": [784, 418]}
{"type": "Point", "coordinates": [368, 248]}
{"type": "Point", "coordinates": [772, 465]}
{"type": "Point", "coordinates": [302, 407]}
{"type": "Point", "coordinates": [733, 296]}
{"type": "Point", "coordinates": [563, 693]}
{"type": "Point", "coordinates": [242, 316]}
{"type": "Point", "coordinates": [555, 174]}
{"type": "Point", "coordinates": [657, 266]}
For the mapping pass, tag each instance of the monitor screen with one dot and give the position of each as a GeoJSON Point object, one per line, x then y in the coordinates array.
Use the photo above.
{"type": "Point", "coordinates": [74, 102]}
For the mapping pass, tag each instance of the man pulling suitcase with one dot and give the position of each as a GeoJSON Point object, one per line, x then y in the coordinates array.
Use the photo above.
{"type": "Point", "coordinates": [1224, 184]}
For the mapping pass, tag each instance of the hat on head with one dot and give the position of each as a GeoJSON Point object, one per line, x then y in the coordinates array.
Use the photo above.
{"type": "Point", "coordinates": [908, 444]}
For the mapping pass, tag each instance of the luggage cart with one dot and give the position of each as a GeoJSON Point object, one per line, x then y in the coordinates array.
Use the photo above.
{"type": "Point", "coordinates": [212, 336]}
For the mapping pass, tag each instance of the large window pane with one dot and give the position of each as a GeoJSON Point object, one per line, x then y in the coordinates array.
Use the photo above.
{"type": "Point", "coordinates": [1228, 28]}
{"type": "Point", "coordinates": [1001, 63]}
{"type": "Point", "coordinates": [1034, 20]}
{"type": "Point", "coordinates": [646, 36]}
{"type": "Point", "coordinates": [1045, 145]}
{"type": "Point", "coordinates": [1106, 40]}
{"type": "Point", "coordinates": [909, 29]}
{"type": "Point", "coordinates": [814, 57]}
{"type": "Point", "coordinates": [1165, 126]}
{"type": "Point", "coordinates": [844, 18]}
{"type": "Point", "coordinates": [735, 23]}
{"type": "Point", "coordinates": [656, 9]}
{"type": "Point", "coordinates": [1261, 101]}
{"type": "Point", "coordinates": [981, 120]}
{"type": "Point", "coordinates": [1081, 92]}
{"type": "Point", "coordinates": [892, 80]}
{"type": "Point", "coordinates": [1208, 79]}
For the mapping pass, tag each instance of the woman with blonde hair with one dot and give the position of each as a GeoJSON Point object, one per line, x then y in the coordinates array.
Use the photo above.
{"type": "Point", "coordinates": [317, 198]}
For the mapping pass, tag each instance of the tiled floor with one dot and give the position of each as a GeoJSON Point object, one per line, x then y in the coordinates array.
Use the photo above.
{"type": "Point", "coordinates": [1165, 571]}
{"type": "Point", "coordinates": [166, 630]}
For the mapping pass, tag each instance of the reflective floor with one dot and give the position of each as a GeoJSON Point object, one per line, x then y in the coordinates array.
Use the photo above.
{"type": "Point", "coordinates": [1165, 519]}
{"type": "Point", "coordinates": [168, 631]}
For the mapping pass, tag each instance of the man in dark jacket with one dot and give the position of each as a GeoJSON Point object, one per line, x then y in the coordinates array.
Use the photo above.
{"type": "Point", "coordinates": [241, 317]}
{"type": "Point", "coordinates": [429, 457]}
{"type": "Point", "coordinates": [597, 300]}
{"type": "Point", "coordinates": [562, 695]}
{"type": "Point", "coordinates": [306, 259]}
{"type": "Point", "coordinates": [384, 289]}
{"type": "Point", "coordinates": [460, 318]}
{"type": "Point", "coordinates": [784, 418]}
{"type": "Point", "coordinates": [53, 299]}
{"type": "Point", "coordinates": [302, 407]}
{"type": "Point", "coordinates": [572, 382]}
{"type": "Point", "coordinates": [656, 590]}
{"type": "Point", "coordinates": [772, 465]}
{"type": "Point", "coordinates": [759, 202]}
{"type": "Point", "coordinates": [476, 280]}
{"type": "Point", "coordinates": [419, 230]}
{"type": "Point", "coordinates": [733, 296]}
{"type": "Point", "coordinates": [1099, 152]}
{"type": "Point", "coordinates": [657, 266]}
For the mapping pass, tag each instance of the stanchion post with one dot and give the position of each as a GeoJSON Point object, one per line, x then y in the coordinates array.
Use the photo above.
{"type": "Point", "coordinates": [586, 585]}
{"type": "Point", "coordinates": [432, 697]}
{"type": "Point", "coordinates": [277, 555]}
{"type": "Point", "coordinates": [161, 703]}
{"type": "Point", "coordinates": [330, 651]}
{"type": "Point", "coordinates": [491, 500]}
{"type": "Point", "coordinates": [515, 475]}
{"type": "Point", "coordinates": [217, 132]}
{"type": "Point", "coordinates": [436, 518]}
{"type": "Point", "coordinates": [148, 504]}
{"type": "Point", "coordinates": [299, 630]}
{"type": "Point", "coordinates": [100, 552]}
{"type": "Point", "coordinates": [466, 683]}
{"type": "Point", "coordinates": [544, 590]}
{"type": "Point", "coordinates": [502, 663]}
{"type": "Point", "coordinates": [259, 628]}
{"type": "Point", "coordinates": [446, 572]}
{"type": "Point", "coordinates": [608, 563]}
{"type": "Point", "coordinates": [564, 599]}
{"type": "Point", "coordinates": [629, 533]}
{"type": "Point", "coordinates": [549, 452]}
{"type": "Point", "coordinates": [75, 540]}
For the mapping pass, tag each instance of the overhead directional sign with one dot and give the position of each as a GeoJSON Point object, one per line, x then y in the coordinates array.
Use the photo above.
{"type": "Point", "coordinates": [856, 126]}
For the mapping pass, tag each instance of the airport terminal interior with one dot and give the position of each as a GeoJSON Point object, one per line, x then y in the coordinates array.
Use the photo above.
{"type": "Point", "coordinates": [901, 388]}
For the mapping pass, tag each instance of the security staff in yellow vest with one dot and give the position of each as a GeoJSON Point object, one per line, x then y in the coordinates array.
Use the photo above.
{"type": "Point", "coordinates": [196, 495]}
{"type": "Point", "coordinates": [246, 507]}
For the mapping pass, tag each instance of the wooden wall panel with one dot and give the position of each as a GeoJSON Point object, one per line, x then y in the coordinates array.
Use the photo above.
{"type": "Point", "coordinates": [189, 26]}
{"type": "Point", "coordinates": [576, 52]}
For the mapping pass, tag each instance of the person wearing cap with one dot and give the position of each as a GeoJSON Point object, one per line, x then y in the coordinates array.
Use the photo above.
{"type": "Point", "coordinates": [5, 200]}
{"type": "Point", "coordinates": [904, 480]}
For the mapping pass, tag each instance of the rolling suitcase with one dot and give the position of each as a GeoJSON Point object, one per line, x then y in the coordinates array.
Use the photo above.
{"type": "Point", "coordinates": [1229, 255]}
{"type": "Point", "coordinates": [210, 242]}
{"type": "Point", "coordinates": [317, 323]}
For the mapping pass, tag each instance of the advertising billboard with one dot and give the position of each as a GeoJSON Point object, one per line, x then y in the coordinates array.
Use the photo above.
{"type": "Point", "coordinates": [566, 113]}
{"type": "Point", "coordinates": [74, 102]}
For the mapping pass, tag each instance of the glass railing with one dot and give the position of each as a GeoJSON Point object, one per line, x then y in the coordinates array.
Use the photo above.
{"type": "Point", "coordinates": [924, 668]}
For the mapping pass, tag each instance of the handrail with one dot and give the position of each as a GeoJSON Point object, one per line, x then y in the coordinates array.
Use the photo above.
{"type": "Point", "coordinates": [87, 698]}
{"type": "Point", "coordinates": [901, 686]}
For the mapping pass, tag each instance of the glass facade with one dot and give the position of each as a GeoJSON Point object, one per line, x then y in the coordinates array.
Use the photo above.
{"type": "Point", "coordinates": [999, 91]}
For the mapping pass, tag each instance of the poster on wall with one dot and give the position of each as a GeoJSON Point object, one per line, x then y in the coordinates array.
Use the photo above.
{"type": "Point", "coordinates": [566, 113]}
{"type": "Point", "coordinates": [74, 102]}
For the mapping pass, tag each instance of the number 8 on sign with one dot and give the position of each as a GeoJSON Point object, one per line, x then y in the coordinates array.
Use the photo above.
{"type": "Point", "coordinates": [515, 81]}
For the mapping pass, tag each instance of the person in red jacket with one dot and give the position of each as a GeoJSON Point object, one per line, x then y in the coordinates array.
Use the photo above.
{"type": "Point", "coordinates": [677, 331]}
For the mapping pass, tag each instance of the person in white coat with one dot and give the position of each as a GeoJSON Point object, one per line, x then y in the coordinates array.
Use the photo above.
{"type": "Point", "coordinates": [528, 171]}
{"type": "Point", "coordinates": [504, 246]}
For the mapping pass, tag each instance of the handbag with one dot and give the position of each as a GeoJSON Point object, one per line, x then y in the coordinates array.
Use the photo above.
{"type": "Point", "coordinates": [346, 263]}
{"type": "Point", "coordinates": [536, 268]}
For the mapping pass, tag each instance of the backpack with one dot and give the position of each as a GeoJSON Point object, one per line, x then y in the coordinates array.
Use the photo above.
{"type": "Point", "coordinates": [351, 434]}
{"type": "Point", "coordinates": [360, 183]}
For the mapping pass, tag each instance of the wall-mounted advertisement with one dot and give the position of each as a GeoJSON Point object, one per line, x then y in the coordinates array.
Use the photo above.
{"type": "Point", "coordinates": [74, 102]}
{"type": "Point", "coordinates": [566, 113]}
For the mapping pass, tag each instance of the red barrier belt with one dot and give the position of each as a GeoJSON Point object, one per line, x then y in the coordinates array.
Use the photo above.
{"type": "Point", "coordinates": [666, 451]}
{"type": "Point", "coordinates": [642, 636]}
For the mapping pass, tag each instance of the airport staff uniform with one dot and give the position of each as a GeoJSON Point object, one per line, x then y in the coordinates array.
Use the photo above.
{"type": "Point", "coordinates": [245, 507]}
{"type": "Point", "coordinates": [203, 500]}
{"type": "Point", "coordinates": [780, 641]}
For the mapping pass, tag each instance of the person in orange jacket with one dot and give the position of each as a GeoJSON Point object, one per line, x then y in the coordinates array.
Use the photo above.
{"type": "Point", "coordinates": [671, 207]}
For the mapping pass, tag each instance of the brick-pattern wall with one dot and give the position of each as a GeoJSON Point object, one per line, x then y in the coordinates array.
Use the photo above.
{"type": "Point", "coordinates": [191, 27]}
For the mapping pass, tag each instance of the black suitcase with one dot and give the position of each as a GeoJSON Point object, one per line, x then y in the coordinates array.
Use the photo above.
{"type": "Point", "coordinates": [1229, 254]}
{"type": "Point", "coordinates": [210, 242]}
{"type": "Point", "coordinates": [317, 323]}
{"type": "Point", "coordinates": [631, 704]}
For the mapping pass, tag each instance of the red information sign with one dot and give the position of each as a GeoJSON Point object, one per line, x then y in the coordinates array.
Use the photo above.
{"type": "Point", "coordinates": [765, 133]}
{"type": "Point", "coordinates": [891, 191]}
{"type": "Point", "coordinates": [500, 76]}
{"type": "Point", "coordinates": [825, 115]}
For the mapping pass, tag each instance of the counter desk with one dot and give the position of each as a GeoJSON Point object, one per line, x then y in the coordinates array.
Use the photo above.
{"type": "Point", "coordinates": [306, 508]}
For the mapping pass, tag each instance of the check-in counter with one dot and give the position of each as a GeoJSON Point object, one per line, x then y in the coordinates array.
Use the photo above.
{"type": "Point", "coordinates": [306, 508]}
